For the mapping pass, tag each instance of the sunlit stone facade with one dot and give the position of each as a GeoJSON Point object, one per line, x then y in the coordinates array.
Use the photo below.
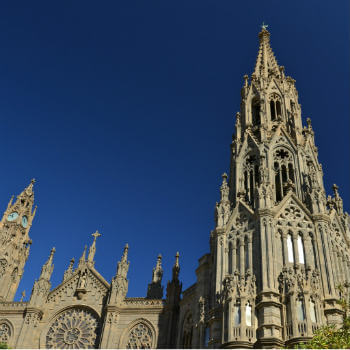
{"type": "Point", "coordinates": [278, 251]}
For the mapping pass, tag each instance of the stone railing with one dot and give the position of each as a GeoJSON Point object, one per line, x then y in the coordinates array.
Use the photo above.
{"type": "Point", "coordinates": [236, 332]}
{"type": "Point", "coordinates": [249, 332]}
{"type": "Point", "coordinates": [302, 328]}
{"type": "Point", "coordinates": [289, 330]}
{"type": "Point", "coordinates": [143, 301]}
{"type": "Point", "coordinates": [314, 327]}
{"type": "Point", "coordinates": [13, 304]}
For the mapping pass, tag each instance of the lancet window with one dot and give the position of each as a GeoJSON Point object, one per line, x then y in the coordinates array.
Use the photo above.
{"type": "Point", "coordinates": [275, 106]}
{"type": "Point", "coordinates": [284, 172]}
{"type": "Point", "coordinates": [300, 308]}
{"type": "Point", "coordinates": [300, 249]}
{"type": "Point", "coordinates": [248, 314]}
{"type": "Point", "coordinates": [251, 178]}
{"type": "Point", "coordinates": [290, 248]}
{"type": "Point", "coordinates": [313, 315]}
{"type": "Point", "coordinates": [239, 255]}
{"type": "Point", "coordinates": [236, 315]}
{"type": "Point", "coordinates": [256, 112]}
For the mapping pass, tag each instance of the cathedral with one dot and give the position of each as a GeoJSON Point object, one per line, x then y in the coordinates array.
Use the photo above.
{"type": "Point", "coordinates": [278, 251]}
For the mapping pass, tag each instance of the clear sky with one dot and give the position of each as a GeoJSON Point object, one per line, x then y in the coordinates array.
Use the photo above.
{"type": "Point", "coordinates": [123, 112]}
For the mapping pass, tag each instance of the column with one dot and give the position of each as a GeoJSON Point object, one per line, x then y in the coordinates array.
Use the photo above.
{"type": "Point", "coordinates": [295, 248]}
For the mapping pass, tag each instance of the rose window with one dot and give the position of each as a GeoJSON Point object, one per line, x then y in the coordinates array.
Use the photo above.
{"type": "Point", "coordinates": [73, 329]}
{"type": "Point", "coordinates": [140, 337]}
{"type": "Point", "coordinates": [5, 332]}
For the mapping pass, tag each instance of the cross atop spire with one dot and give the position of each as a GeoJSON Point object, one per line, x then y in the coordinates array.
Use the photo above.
{"type": "Point", "coordinates": [264, 26]}
{"type": "Point", "coordinates": [92, 249]}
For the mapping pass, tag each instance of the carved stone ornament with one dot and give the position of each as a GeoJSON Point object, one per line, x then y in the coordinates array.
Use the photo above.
{"type": "Point", "coordinates": [73, 329]}
{"type": "Point", "coordinates": [140, 337]}
{"type": "Point", "coordinates": [5, 332]}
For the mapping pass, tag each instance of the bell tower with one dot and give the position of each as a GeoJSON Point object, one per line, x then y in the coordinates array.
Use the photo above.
{"type": "Point", "coordinates": [280, 246]}
{"type": "Point", "coordinates": [15, 242]}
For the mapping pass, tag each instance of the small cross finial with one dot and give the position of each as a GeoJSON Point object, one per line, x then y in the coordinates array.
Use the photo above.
{"type": "Point", "coordinates": [96, 234]}
{"type": "Point", "coordinates": [264, 26]}
{"type": "Point", "coordinates": [23, 294]}
{"type": "Point", "coordinates": [32, 181]}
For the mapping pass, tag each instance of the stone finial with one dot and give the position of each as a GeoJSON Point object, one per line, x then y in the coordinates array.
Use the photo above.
{"type": "Point", "coordinates": [123, 264]}
{"type": "Point", "coordinates": [224, 189]}
{"type": "Point", "coordinates": [176, 267]}
{"type": "Point", "coordinates": [23, 294]}
{"type": "Point", "coordinates": [308, 121]}
{"type": "Point", "coordinates": [155, 289]}
{"type": "Point", "coordinates": [335, 190]}
{"type": "Point", "coordinates": [92, 249]}
{"type": "Point", "coordinates": [158, 270]}
{"type": "Point", "coordinates": [82, 259]}
{"type": "Point", "coordinates": [47, 268]}
{"type": "Point", "coordinates": [69, 271]}
{"type": "Point", "coordinates": [246, 80]}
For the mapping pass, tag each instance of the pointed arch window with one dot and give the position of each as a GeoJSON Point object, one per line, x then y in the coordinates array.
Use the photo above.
{"type": "Point", "coordinates": [236, 315]}
{"type": "Point", "coordinates": [301, 249]}
{"type": "Point", "coordinates": [300, 308]}
{"type": "Point", "coordinates": [290, 248]}
{"type": "Point", "coordinates": [275, 107]}
{"type": "Point", "coordinates": [256, 112]}
{"type": "Point", "coordinates": [248, 315]}
{"type": "Point", "coordinates": [313, 316]}
{"type": "Point", "coordinates": [251, 178]}
{"type": "Point", "coordinates": [284, 172]}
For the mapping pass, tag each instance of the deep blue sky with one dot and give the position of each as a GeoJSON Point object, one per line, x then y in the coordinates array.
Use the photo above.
{"type": "Point", "coordinates": [122, 111]}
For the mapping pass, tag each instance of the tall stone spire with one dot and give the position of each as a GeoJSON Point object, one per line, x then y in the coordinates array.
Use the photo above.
{"type": "Point", "coordinates": [266, 62]}
{"type": "Point", "coordinates": [92, 249]}
{"type": "Point", "coordinates": [155, 289]}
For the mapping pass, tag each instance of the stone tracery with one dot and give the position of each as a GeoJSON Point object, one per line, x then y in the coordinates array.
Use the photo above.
{"type": "Point", "coordinates": [73, 329]}
{"type": "Point", "coordinates": [140, 337]}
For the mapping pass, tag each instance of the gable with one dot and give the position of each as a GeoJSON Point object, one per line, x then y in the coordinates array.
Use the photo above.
{"type": "Point", "coordinates": [291, 212]}
{"type": "Point", "coordinates": [84, 284]}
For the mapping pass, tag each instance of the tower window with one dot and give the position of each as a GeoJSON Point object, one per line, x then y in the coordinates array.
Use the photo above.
{"type": "Point", "coordinates": [272, 110]}
{"type": "Point", "coordinates": [313, 311]}
{"type": "Point", "coordinates": [278, 108]}
{"type": "Point", "coordinates": [290, 248]}
{"type": "Point", "coordinates": [301, 250]}
{"type": "Point", "coordinates": [248, 315]}
{"type": "Point", "coordinates": [256, 112]}
{"type": "Point", "coordinates": [300, 310]}
{"type": "Point", "coordinates": [236, 315]}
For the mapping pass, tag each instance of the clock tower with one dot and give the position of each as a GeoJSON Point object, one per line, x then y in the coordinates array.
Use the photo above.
{"type": "Point", "coordinates": [15, 242]}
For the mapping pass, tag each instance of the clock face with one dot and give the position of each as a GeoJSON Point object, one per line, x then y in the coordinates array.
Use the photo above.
{"type": "Point", "coordinates": [12, 216]}
{"type": "Point", "coordinates": [24, 221]}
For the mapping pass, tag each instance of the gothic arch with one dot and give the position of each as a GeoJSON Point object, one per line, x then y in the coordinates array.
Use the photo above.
{"type": "Point", "coordinates": [91, 316]}
{"type": "Point", "coordinates": [6, 331]}
{"type": "Point", "coordinates": [141, 326]}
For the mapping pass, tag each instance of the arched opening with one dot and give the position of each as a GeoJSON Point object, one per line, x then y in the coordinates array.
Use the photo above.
{"type": "Point", "coordinates": [230, 252]}
{"type": "Point", "coordinates": [301, 249]}
{"type": "Point", "coordinates": [284, 174]}
{"type": "Point", "coordinates": [278, 108]}
{"type": "Point", "coordinates": [237, 315]}
{"type": "Point", "coordinates": [256, 112]}
{"type": "Point", "coordinates": [313, 315]}
{"type": "Point", "coordinates": [300, 309]}
{"type": "Point", "coordinates": [272, 110]}
{"type": "Point", "coordinates": [246, 254]}
{"type": "Point", "coordinates": [291, 172]}
{"type": "Point", "coordinates": [248, 315]}
{"type": "Point", "coordinates": [290, 248]}
{"type": "Point", "coordinates": [277, 183]}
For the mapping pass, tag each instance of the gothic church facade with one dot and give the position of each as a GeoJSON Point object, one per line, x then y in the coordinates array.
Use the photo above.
{"type": "Point", "coordinates": [279, 249]}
